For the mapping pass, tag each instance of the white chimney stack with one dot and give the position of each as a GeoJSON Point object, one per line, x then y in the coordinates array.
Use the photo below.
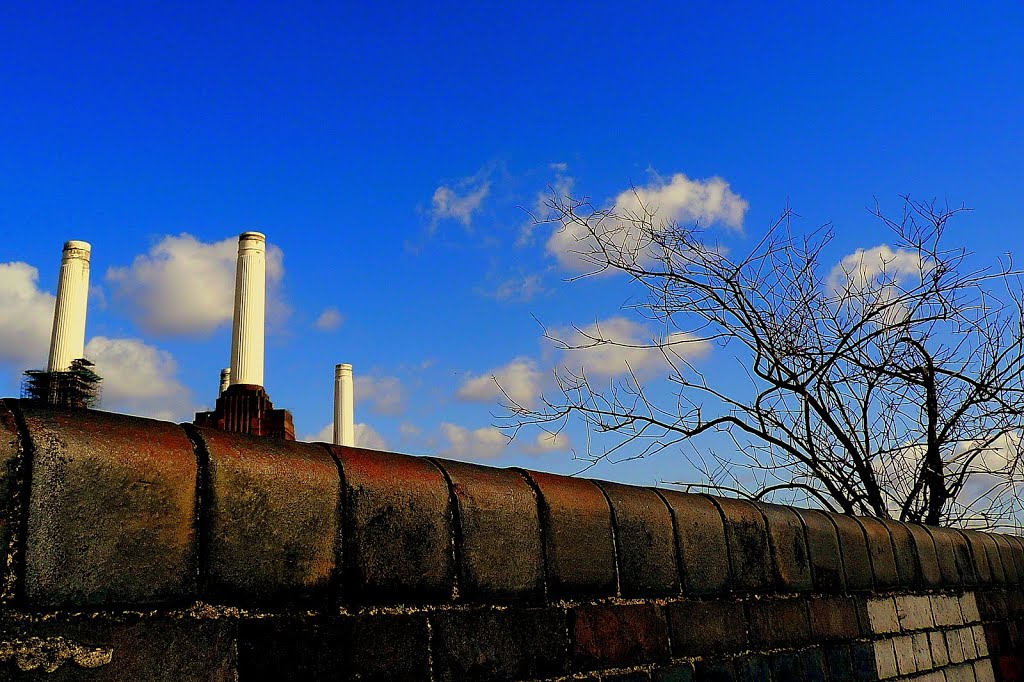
{"type": "Point", "coordinates": [344, 406]}
{"type": "Point", "coordinates": [225, 380]}
{"type": "Point", "coordinates": [67, 343]}
{"type": "Point", "coordinates": [250, 310]}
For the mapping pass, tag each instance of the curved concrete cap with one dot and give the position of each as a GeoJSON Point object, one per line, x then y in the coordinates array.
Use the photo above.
{"type": "Point", "coordinates": [75, 245]}
{"type": "Point", "coordinates": [342, 369]}
{"type": "Point", "coordinates": [252, 237]}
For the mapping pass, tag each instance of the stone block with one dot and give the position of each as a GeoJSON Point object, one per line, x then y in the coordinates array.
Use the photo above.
{"type": "Point", "coordinates": [682, 672]}
{"type": "Point", "coordinates": [883, 560]}
{"type": "Point", "coordinates": [954, 646]}
{"type": "Point", "coordinates": [980, 641]}
{"type": "Point", "coordinates": [1007, 556]}
{"type": "Point", "coordinates": [501, 555]}
{"type": "Point", "coordinates": [854, 548]}
{"type": "Point", "coordinates": [813, 664]}
{"type": "Point", "coordinates": [271, 518]}
{"type": "Point", "coordinates": [968, 644]}
{"type": "Point", "coordinates": [645, 541]}
{"type": "Point", "coordinates": [747, 536]}
{"type": "Point", "coordinates": [111, 515]}
{"type": "Point", "coordinates": [509, 644]}
{"type": "Point", "coordinates": [922, 651]}
{"type": "Point", "coordinates": [754, 668]}
{"type": "Point", "coordinates": [940, 654]}
{"type": "Point", "coordinates": [778, 622]}
{"type": "Point", "coordinates": [700, 534]}
{"type": "Point", "coordinates": [946, 610]}
{"type": "Point", "coordinates": [786, 666]}
{"type": "Point", "coordinates": [792, 564]}
{"type": "Point", "coordinates": [915, 612]}
{"type": "Point", "coordinates": [862, 655]}
{"type": "Point", "coordinates": [840, 663]}
{"type": "Point", "coordinates": [882, 616]}
{"type": "Point", "coordinates": [578, 539]}
{"type": "Point", "coordinates": [826, 559]}
{"type": "Point", "coordinates": [703, 627]}
{"type": "Point", "coordinates": [969, 607]}
{"type": "Point", "coordinates": [833, 618]}
{"type": "Point", "coordinates": [986, 558]}
{"type": "Point", "coordinates": [960, 673]}
{"type": "Point", "coordinates": [906, 663]}
{"type": "Point", "coordinates": [618, 636]}
{"type": "Point", "coordinates": [397, 529]}
{"type": "Point", "coordinates": [983, 671]}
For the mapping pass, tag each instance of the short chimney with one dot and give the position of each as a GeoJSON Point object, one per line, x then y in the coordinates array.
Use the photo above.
{"type": "Point", "coordinates": [67, 343]}
{"type": "Point", "coordinates": [344, 406]}
{"type": "Point", "coordinates": [250, 310]}
{"type": "Point", "coordinates": [225, 380]}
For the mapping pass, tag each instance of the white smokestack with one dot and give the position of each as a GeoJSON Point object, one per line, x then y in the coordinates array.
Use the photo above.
{"type": "Point", "coordinates": [225, 380]}
{"type": "Point", "coordinates": [344, 406]}
{"type": "Point", "coordinates": [67, 343]}
{"type": "Point", "coordinates": [250, 309]}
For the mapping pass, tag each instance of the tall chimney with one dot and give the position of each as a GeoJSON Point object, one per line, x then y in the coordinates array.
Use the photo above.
{"type": "Point", "coordinates": [344, 410]}
{"type": "Point", "coordinates": [67, 343]}
{"type": "Point", "coordinates": [225, 380]}
{"type": "Point", "coordinates": [250, 310]}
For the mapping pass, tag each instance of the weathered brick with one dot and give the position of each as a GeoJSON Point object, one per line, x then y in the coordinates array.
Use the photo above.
{"type": "Point", "coordinates": [578, 542]}
{"type": "Point", "coordinates": [367, 647]}
{"type": "Point", "coordinates": [905, 661]}
{"type": "Point", "coordinates": [747, 537]}
{"type": "Point", "coordinates": [776, 622]}
{"type": "Point", "coordinates": [499, 645]}
{"type": "Point", "coordinates": [915, 612]}
{"type": "Point", "coordinates": [968, 644]}
{"type": "Point", "coordinates": [954, 646]}
{"type": "Point", "coordinates": [840, 664]}
{"type": "Point", "coordinates": [10, 457]}
{"type": "Point", "coordinates": [883, 561]}
{"type": "Point", "coordinates": [500, 550]}
{"type": "Point", "coordinates": [833, 617]}
{"type": "Point", "coordinates": [962, 556]}
{"type": "Point", "coordinates": [786, 666]}
{"type": "Point", "coordinates": [792, 565]}
{"type": "Point", "coordinates": [139, 648]}
{"type": "Point", "coordinates": [702, 627]}
{"type": "Point", "coordinates": [645, 541]}
{"type": "Point", "coordinates": [883, 616]}
{"type": "Point", "coordinates": [813, 663]}
{"type": "Point", "coordinates": [700, 534]}
{"type": "Point", "coordinates": [980, 640]}
{"type": "Point", "coordinates": [960, 673]}
{"type": "Point", "coordinates": [946, 610]}
{"type": "Point", "coordinates": [922, 651]}
{"type": "Point", "coordinates": [991, 604]}
{"type": "Point", "coordinates": [754, 668]}
{"type": "Point", "coordinates": [272, 520]}
{"type": "Point", "coordinates": [969, 607]}
{"type": "Point", "coordinates": [983, 671]}
{"type": "Point", "coordinates": [714, 671]}
{"type": "Point", "coordinates": [862, 655]}
{"type": "Point", "coordinates": [826, 560]}
{"type": "Point", "coordinates": [926, 555]}
{"type": "Point", "coordinates": [905, 551]}
{"type": "Point", "coordinates": [852, 543]}
{"type": "Point", "coordinates": [397, 529]}
{"type": "Point", "coordinates": [940, 653]}
{"type": "Point", "coordinates": [112, 509]}
{"type": "Point", "coordinates": [979, 557]}
{"type": "Point", "coordinates": [885, 659]}
{"type": "Point", "coordinates": [612, 636]}
{"type": "Point", "coordinates": [682, 672]}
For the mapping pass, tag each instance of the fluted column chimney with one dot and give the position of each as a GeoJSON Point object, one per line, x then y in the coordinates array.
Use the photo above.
{"type": "Point", "coordinates": [225, 380]}
{"type": "Point", "coordinates": [344, 406]}
{"type": "Point", "coordinates": [67, 342]}
{"type": "Point", "coordinates": [250, 310]}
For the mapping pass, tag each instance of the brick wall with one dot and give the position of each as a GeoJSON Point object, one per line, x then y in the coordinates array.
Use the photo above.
{"type": "Point", "coordinates": [143, 550]}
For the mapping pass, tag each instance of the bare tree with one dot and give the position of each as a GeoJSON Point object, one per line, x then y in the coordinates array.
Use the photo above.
{"type": "Point", "coordinates": [891, 385]}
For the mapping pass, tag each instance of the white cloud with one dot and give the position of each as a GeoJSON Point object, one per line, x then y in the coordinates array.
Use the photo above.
{"type": "Point", "coordinates": [680, 199]}
{"type": "Point", "coordinates": [520, 380]}
{"type": "Point", "coordinates": [612, 347]}
{"type": "Point", "coordinates": [185, 286]}
{"type": "Point", "coordinates": [522, 289]}
{"type": "Point", "coordinates": [330, 318]}
{"type": "Point", "coordinates": [484, 443]}
{"type": "Point", "coordinates": [548, 442]}
{"type": "Point", "coordinates": [26, 316]}
{"type": "Point", "coordinates": [875, 268]}
{"type": "Point", "coordinates": [138, 378]}
{"type": "Point", "coordinates": [460, 200]}
{"type": "Point", "coordinates": [561, 187]}
{"type": "Point", "coordinates": [366, 437]}
{"type": "Point", "coordinates": [383, 395]}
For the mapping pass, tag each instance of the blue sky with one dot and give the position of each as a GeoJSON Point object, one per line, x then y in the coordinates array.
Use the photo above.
{"type": "Point", "coordinates": [386, 150]}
